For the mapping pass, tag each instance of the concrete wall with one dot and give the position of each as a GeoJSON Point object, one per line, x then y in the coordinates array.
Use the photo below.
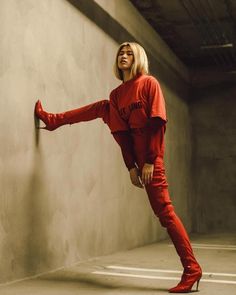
{"type": "Point", "coordinates": [214, 130]}
{"type": "Point", "coordinates": [66, 195]}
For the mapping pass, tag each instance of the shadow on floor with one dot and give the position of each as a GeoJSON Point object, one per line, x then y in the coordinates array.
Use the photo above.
{"type": "Point", "coordinates": [98, 283]}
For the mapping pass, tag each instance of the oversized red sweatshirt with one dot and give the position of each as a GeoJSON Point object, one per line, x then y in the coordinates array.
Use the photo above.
{"type": "Point", "coordinates": [138, 103]}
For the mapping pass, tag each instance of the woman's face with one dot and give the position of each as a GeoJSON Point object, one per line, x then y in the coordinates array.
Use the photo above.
{"type": "Point", "coordinates": [125, 58]}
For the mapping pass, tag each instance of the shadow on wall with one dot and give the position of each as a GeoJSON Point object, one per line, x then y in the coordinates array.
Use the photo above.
{"type": "Point", "coordinates": [165, 72]}
{"type": "Point", "coordinates": [102, 19]}
{"type": "Point", "coordinates": [37, 256]}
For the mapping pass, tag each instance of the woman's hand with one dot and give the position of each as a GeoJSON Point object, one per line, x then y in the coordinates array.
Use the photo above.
{"type": "Point", "coordinates": [134, 176]}
{"type": "Point", "coordinates": [147, 173]}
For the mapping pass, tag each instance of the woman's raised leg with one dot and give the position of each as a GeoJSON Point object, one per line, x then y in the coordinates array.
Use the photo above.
{"type": "Point", "coordinates": [99, 109]}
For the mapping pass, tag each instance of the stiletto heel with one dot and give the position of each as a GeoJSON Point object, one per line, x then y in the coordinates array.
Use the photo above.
{"type": "Point", "coordinates": [187, 281]}
{"type": "Point", "coordinates": [197, 284]}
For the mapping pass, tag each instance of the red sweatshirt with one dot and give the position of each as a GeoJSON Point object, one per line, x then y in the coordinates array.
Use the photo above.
{"type": "Point", "coordinates": [138, 103]}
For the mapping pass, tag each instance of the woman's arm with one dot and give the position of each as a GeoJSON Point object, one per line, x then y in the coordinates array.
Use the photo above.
{"type": "Point", "coordinates": [157, 118]}
{"type": "Point", "coordinates": [154, 133]}
{"type": "Point", "coordinates": [121, 133]}
{"type": "Point", "coordinates": [123, 138]}
{"type": "Point", "coordinates": [154, 127]}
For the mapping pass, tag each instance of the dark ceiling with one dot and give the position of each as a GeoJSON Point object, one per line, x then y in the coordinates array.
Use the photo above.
{"type": "Point", "coordinates": [202, 33]}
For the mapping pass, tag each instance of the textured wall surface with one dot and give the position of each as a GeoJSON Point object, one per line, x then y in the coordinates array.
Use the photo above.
{"type": "Point", "coordinates": [214, 130]}
{"type": "Point", "coordinates": [66, 195]}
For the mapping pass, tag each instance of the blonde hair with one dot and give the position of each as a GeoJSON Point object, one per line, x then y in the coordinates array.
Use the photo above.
{"type": "Point", "coordinates": [140, 64]}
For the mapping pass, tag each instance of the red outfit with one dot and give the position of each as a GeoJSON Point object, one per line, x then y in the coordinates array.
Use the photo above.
{"type": "Point", "coordinates": [137, 109]}
{"type": "Point", "coordinates": [136, 101]}
{"type": "Point", "coordinates": [136, 117]}
{"type": "Point", "coordinates": [138, 104]}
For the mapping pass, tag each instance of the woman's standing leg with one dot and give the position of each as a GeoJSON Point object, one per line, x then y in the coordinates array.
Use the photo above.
{"type": "Point", "coordinates": [99, 109]}
{"type": "Point", "coordinates": [161, 204]}
{"type": "Point", "coordinates": [162, 207]}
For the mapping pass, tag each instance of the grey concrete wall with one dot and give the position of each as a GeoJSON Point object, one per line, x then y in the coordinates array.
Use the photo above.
{"type": "Point", "coordinates": [214, 130]}
{"type": "Point", "coordinates": [66, 195]}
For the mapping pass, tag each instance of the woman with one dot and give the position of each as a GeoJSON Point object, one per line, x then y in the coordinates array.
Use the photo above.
{"type": "Point", "coordinates": [136, 117]}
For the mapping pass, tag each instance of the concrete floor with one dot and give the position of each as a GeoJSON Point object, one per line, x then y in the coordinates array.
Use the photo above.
{"type": "Point", "coordinates": [147, 270]}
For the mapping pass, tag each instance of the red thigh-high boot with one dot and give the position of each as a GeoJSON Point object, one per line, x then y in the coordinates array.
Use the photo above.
{"type": "Point", "coordinates": [192, 270]}
{"type": "Point", "coordinates": [89, 112]}
{"type": "Point", "coordinates": [161, 204]}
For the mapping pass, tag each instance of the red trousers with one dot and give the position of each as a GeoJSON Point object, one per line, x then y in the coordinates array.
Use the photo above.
{"type": "Point", "coordinates": [157, 190]}
{"type": "Point", "coordinates": [160, 201]}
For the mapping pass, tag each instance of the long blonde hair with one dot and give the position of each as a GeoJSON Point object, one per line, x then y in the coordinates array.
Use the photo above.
{"type": "Point", "coordinates": [140, 64]}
